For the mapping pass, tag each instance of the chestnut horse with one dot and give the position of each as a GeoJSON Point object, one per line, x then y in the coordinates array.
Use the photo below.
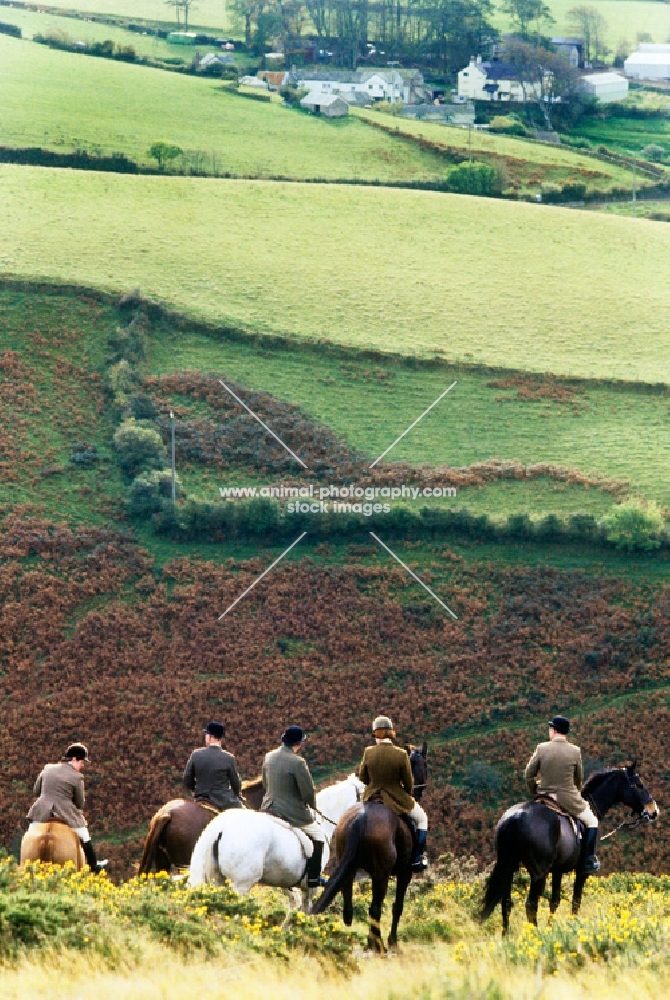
{"type": "Point", "coordinates": [174, 830]}
{"type": "Point", "coordinates": [371, 837]}
{"type": "Point", "coordinates": [53, 843]}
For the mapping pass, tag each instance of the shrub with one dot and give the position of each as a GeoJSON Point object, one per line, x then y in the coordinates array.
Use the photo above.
{"type": "Point", "coordinates": [139, 447]}
{"type": "Point", "coordinates": [123, 379]}
{"type": "Point", "coordinates": [473, 178]}
{"type": "Point", "coordinates": [149, 488]}
{"type": "Point", "coordinates": [653, 152]}
{"type": "Point", "coordinates": [292, 95]}
{"type": "Point", "coordinates": [10, 29]}
{"type": "Point", "coordinates": [634, 526]}
{"type": "Point", "coordinates": [482, 780]}
{"type": "Point", "coordinates": [507, 125]}
{"type": "Point", "coordinates": [164, 152]}
{"type": "Point", "coordinates": [84, 454]}
{"type": "Point", "coordinates": [551, 193]}
{"type": "Point", "coordinates": [574, 191]}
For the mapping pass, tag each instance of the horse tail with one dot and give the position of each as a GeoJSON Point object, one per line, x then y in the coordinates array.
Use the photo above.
{"type": "Point", "coordinates": [346, 867]}
{"type": "Point", "coordinates": [205, 858]}
{"type": "Point", "coordinates": [499, 882]}
{"type": "Point", "coordinates": [45, 848]}
{"type": "Point", "coordinates": [158, 823]}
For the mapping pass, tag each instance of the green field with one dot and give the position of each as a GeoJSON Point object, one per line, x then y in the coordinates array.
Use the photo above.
{"type": "Point", "coordinates": [33, 22]}
{"type": "Point", "coordinates": [526, 164]}
{"type": "Point", "coordinates": [246, 137]}
{"type": "Point", "coordinates": [204, 13]}
{"type": "Point", "coordinates": [625, 20]}
{"type": "Point", "coordinates": [404, 271]}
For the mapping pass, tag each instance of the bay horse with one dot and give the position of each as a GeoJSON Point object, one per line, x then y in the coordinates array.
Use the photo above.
{"type": "Point", "coordinates": [373, 838]}
{"type": "Point", "coordinates": [52, 843]}
{"type": "Point", "coordinates": [543, 841]}
{"type": "Point", "coordinates": [174, 830]}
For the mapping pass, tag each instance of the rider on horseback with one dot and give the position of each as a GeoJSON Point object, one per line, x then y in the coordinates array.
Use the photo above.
{"type": "Point", "coordinates": [211, 772]}
{"type": "Point", "coordinates": [60, 788]}
{"type": "Point", "coordinates": [290, 795]}
{"type": "Point", "coordinates": [559, 765]}
{"type": "Point", "coordinates": [387, 772]}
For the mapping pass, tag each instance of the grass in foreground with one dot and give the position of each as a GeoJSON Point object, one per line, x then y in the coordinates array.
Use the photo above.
{"type": "Point", "coordinates": [317, 262]}
{"type": "Point", "coordinates": [155, 939]}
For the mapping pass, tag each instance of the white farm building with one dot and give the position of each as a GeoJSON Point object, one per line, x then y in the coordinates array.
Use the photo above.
{"type": "Point", "coordinates": [362, 86]}
{"type": "Point", "coordinates": [329, 105]}
{"type": "Point", "coordinates": [606, 87]}
{"type": "Point", "coordinates": [649, 62]}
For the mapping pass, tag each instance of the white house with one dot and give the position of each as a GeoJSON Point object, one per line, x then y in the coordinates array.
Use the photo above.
{"type": "Point", "coordinates": [329, 105]}
{"type": "Point", "coordinates": [649, 62]}
{"type": "Point", "coordinates": [493, 81]}
{"type": "Point", "coordinates": [361, 86]}
{"type": "Point", "coordinates": [606, 87]}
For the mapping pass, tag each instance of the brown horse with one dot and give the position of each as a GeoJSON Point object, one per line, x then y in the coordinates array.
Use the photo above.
{"type": "Point", "coordinates": [373, 838]}
{"type": "Point", "coordinates": [54, 843]}
{"type": "Point", "coordinates": [175, 828]}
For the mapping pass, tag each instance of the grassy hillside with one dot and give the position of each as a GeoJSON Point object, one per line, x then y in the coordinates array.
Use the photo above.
{"type": "Point", "coordinates": [105, 106]}
{"type": "Point", "coordinates": [625, 20]}
{"type": "Point", "coordinates": [410, 272]}
{"type": "Point", "coordinates": [204, 13]}
{"type": "Point", "coordinates": [525, 165]}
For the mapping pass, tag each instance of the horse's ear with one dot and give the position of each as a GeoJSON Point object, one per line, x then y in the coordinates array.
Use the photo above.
{"type": "Point", "coordinates": [424, 749]}
{"type": "Point", "coordinates": [632, 767]}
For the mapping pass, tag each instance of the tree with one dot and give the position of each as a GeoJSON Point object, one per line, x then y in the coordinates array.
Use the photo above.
{"type": "Point", "coordinates": [163, 152]}
{"type": "Point", "coordinates": [634, 526]}
{"type": "Point", "coordinates": [591, 27]}
{"type": "Point", "coordinates": [546, 78]}
{"type": "Point", "coordinates": [181, 7]}
{"type": "Point", "coordinates": [139, 447]}
{"type": "Point", "coordinates": [524, 12]}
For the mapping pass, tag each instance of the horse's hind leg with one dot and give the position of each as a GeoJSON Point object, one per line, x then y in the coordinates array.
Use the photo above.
{"type": "Point", "coordinates": [536, 889]}
{"type": "Point", "coordinates": [348, 902]}
{"type": "Point", "coordinates": [580, 879]}
{"type": "Point", "coordinates": [402, 882]}
{"type": "Point", "coordinates": [379, 887]}
{"type": "Point", "coordinates": [555, 901]}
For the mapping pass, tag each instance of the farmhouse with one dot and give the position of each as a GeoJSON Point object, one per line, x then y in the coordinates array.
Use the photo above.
{"type": "Point", "coordinates": [493, 81]}
{"type": "Point", "coordinates": [329, 105]}
{"type": "Point", "coordinates": [649, 62]}
{"type": "Point", "coordinates": [274, 78]}
{"type": "Point", "coordinates": [606, 87]}
{"type": "Point", "coordinates": [571, 49]}
{"type": "Point", "coordinates": [362, 86]}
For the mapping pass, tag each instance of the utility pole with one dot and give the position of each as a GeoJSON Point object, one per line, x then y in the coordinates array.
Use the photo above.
{"type": "Point", "coordinates": [174, 483]}
{"type": "Point", "coordinates": [470, 144]}
{"type": "Point", "coordinates": [634, 191]}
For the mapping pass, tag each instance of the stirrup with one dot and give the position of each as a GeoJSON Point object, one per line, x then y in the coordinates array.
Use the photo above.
{"type": "Point", "coordinates": [420, 864]}
{"type": "Point", "coordinates": [591, 865]}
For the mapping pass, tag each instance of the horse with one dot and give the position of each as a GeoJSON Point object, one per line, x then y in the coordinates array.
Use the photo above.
{"type": "Point", "coordinates": [53, 843]}
{"type": "Point", "coordinates": [175, 828]}
{"type": "Point", "coordinates": [248, 847]}
{"type": "Point", "coordinates": [373, 838]}
{"type": "Point", "coordinates": [543, 841]}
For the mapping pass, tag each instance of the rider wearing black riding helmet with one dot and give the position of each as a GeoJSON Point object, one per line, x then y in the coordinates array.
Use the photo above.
{"type": "Point", "coordinates": [555, 769]}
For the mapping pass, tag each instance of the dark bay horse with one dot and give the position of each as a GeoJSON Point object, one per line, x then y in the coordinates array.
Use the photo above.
{"type": "Point", "coordinates": [543, 841]}
{"type": "Point", "coordinates": [371, 837]}
{"type": "Point", "coordinates": [175, 828]}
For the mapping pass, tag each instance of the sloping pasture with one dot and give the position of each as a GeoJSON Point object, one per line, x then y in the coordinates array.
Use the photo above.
{"type": "Point", "coordinates": [469, 279]}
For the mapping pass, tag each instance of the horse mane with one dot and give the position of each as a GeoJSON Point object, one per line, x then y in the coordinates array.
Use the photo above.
{"type": "Point", "coordinates": [594, 782]}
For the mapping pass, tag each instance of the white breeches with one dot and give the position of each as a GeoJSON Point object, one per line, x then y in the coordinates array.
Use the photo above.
{"type": "Point", "coordinates": [588, 818]}
{"type": "Point", "coordinates": [81, 831]}
{"type": "Point", "coordinates": [419, 816]}
{"type": "Point", "coordinates": [314, 831]}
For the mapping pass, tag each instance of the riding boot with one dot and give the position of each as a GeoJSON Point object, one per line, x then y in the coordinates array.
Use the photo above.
{"type": "Point", "coordinates": [91, 860]}
{"type": "Point", "coordinates": [314, 866]}
{"type": "Point", "coordinates": [420, 861]}
{"type": "Point", "coordinates": [590, 865]}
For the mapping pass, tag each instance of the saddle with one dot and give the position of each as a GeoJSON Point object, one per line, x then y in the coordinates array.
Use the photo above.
{"type": "Point", "coordinates": [206, 804]}
{"type": "Point", "coordinates": [544, 799]}
{"type": "Point", "coordinates": [305, 842]}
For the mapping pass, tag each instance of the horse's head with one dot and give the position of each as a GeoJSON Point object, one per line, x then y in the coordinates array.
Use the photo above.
{"type": "Point", "coordinates": [417, 759]}
{"type": "Point", "coordinates": [621, 785]}
{"type": "Point", "coordinates": [637, 796]}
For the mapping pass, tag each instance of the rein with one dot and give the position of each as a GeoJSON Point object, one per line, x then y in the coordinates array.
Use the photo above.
{"type": "Point", "coordinates": [628, 824]}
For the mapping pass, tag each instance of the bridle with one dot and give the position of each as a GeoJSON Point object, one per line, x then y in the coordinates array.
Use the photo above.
{"type": "Point", "coordinates": [641, 819]}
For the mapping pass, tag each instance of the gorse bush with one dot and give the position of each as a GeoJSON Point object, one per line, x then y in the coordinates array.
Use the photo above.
{"type": "Point", "coordinates": [473, 178]}
{"type": "Point", "coordinates": [635, 526]}
{"type": "Point", "coordinates": [139, 447]}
